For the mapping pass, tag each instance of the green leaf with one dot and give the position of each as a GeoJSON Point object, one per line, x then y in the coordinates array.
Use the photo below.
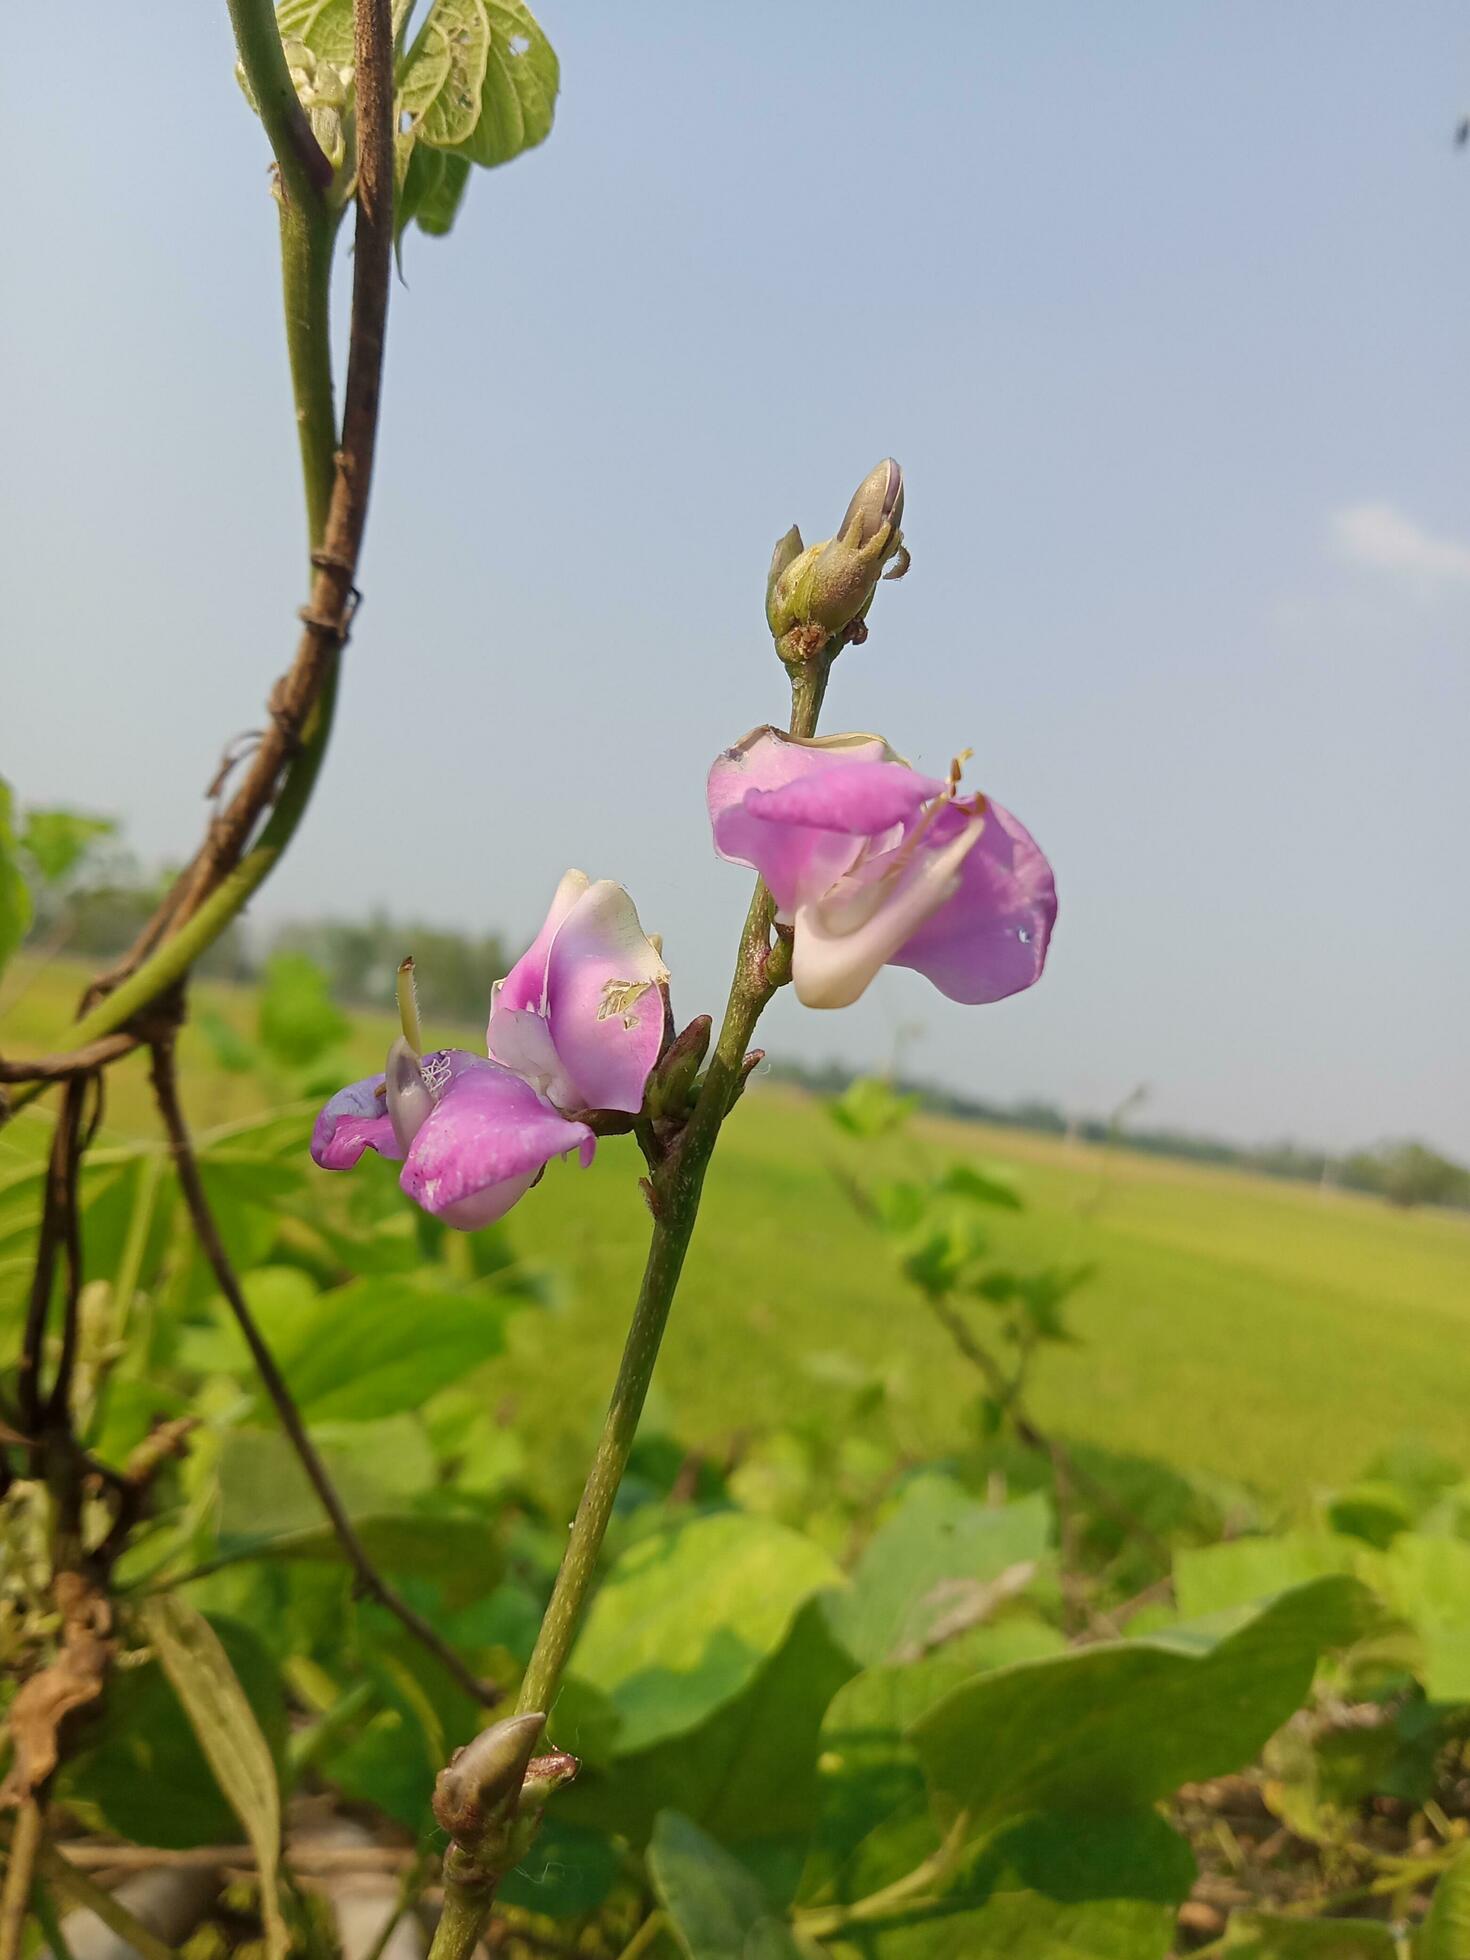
{"type": "Point", "coordinates": [378, 1468]}
{"type": "Point", "coordinates": [940, 1556]}
{"type": "Point", "coordinates": [438, 206]}
{"type": "Point", "coordinates": [194, 1659]}
{"type": "Point", "coordinates": [685, 1618]}
{"type": "Point", "coordinates": [716, 1907]}
{"type": "Point", "coordinates": [1445, 1934]}
{"type": "Point", "coordinates": [870, 1108]}
{"type": "Point", "coordinates": [1046, 1888]}
{"type": "Point", "coordinates": [138, 1770]}
{"type": "Point", "coordinates": [324, 25]}
{"type": "Point", "coordinates": [988, 1184]}
{"type": "Point", "coordinates": [1428, 1580]}
{"type": "Point", "coordinates": [1114, 1727]}
{"type": "Point", "coordinates": [443, 79]}
{"type": "Point", "coordinates": [380, 1346]}
{"type": "Point", "coordinates": [568, 1871]}
{"type": "Point", "coordinates": [15, 897]}
{"type": "Point", "coordinates": [56, 841]}
{"type": "Point", "coordinates": [1211, 1578]}
{"type": "Point", "coordinates": [749, 1773]}
{"type": "Point", "coordinates": [875, 1819]}
{"type": "Point", "coordinates": [298, 1019]}
{"type": "Point", "coordinates": [1269, 1936]}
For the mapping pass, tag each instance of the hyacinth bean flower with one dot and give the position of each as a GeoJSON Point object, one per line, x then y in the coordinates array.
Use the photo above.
{"type": "Point", "coordinates": [575, 1027]}
{"type": "Point", "coordinates": [873, 864]}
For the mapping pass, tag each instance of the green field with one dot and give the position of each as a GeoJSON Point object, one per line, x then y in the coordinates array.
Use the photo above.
{"type": "Point", "coordinates": [1251, 1329]}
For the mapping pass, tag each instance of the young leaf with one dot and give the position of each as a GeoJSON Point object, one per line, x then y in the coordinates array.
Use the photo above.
{"type": "Point", "coordinates": [15, 898]}
{"type": "Point", "coordinates": [443, 79]}
{"type": "Point", "coordinates": [193, 1657]}
{"type": "Point", "coordinates": [324, 25]}
{"type": "Point", "coordinates": [716, 1907]}
{"type": "Point", "coordinates": [521, 84]}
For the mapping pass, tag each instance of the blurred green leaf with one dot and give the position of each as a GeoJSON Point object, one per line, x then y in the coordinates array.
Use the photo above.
{"type": "Point", "coordinates": [230, 1049]}
{"type": "Point", "coordinates": [685, 1618]}
{"type": "Point", "coordinates": [298, 1020]}
{"type": "Point", "coordinates": [1046, 1889]}
{"type": "Point", "coordinates": [378, 1468]}
{"type": "Point", "coordinates": [568, 1871]}
{"type": "Point", "coordinates": [383, 1345]}
{"type": "Point", "coordinates": [988, 1184]}
{"type": "Point", "coordinates": [937, 1556]}
{"type": "Point", "coordinates": [869, 1108]}
{"type": "Point", "coordinates": [1109, 1728]}
{"type": "Point", "coordinates": [1445, 1934]}
{"type": "Point", "coordinates": [56, 841]}
{"type": "Point", "coordinates": [15, 897]}
{"type": "Point", "coordinates": [137, 1769]}
{"type": "Point", "coordinates": [196, 1663]}
{"type": "Point", "coordinates": [1269, 1936]}
{"type": "Point", "coordinates": [1427, 1579]}
{"type": "Point", "coordinates": [1241, 1571]}
{"type": "Point", "coordinates": [716, 1907]}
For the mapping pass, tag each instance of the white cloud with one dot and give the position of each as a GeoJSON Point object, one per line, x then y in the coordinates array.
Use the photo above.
{"type": "Point", "coordinates": [1381, 537]}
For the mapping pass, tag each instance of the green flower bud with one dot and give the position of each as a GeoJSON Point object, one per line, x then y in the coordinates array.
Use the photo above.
{"type": "Point", "coordinates": [820, 594]}
{"type": "Point", "coordinates": [475, 1795]}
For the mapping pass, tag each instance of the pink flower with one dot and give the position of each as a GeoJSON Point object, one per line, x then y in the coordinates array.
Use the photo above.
{"type": "Point", "coordinates": [874, 865]}
{"type": "Point", "coordinates": [575, 1026]}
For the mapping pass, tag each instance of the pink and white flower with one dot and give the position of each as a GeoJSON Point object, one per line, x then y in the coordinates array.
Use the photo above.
{"type": "Point", "coordinates": [575, 1027]}
{"type": "Point", "coordinates": [873, 864]}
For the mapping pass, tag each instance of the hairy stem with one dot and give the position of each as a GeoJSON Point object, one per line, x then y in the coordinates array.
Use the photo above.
{"type": "Point", "coordinates": [166, 1095]}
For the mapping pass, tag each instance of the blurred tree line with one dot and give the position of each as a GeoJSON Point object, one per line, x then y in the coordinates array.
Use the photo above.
{"type": "Point", "coordinates": [1403, 1171]}
{"type": "Point", "coordinates": [91, 898]}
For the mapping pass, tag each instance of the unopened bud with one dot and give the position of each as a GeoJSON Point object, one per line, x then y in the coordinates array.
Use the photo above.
{"type": "Point", "coordinates": [672, 1080]}
{"type": "Point", "coordinates": [820, 594]}
{"type": "Point", "coordinates": [481, 1782]}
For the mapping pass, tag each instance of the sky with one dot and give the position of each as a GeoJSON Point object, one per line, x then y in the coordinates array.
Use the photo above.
{"type": "Point", "coordinates": [1163, 309]}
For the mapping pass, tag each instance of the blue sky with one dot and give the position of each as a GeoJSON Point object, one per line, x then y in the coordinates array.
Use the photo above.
{"type": "Point", "coordinates": [1163, 309]}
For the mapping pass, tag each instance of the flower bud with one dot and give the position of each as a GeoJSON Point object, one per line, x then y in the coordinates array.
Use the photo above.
{"type": "Point", "coordinates": [672, 1081]}
{"type": "Point", "coordinates": [819, 594]}
{"type": "Point", "coordinates": [481, 1782]}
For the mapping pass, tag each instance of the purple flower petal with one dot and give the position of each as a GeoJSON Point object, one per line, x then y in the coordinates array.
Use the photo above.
{"type": "Point", "coordinates": [860, 924]}
{"type": "Point", "coordinates": [356, 1119]}
{"type": "Point", "coordinates": [861, 799]}
{"type": "Point", "coordinates": [797, 861]}
{"type": "Point", "coordinates": [990, 939]}
{"type": "Point", "coordinates": [525, 984]}
{"type": "Point", "coordinates": [605, 1007]}
{"type": "Point", "coordinates": [487, 1141]}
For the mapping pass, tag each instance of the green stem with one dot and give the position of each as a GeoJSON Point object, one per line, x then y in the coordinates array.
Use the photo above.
{"type": "Point", "coordinates": [307, 239]}
{"type": "Point", "coordinates": [677, 1187]}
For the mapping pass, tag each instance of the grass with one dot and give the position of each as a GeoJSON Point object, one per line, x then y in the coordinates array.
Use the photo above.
{"type": "Point", "coordinates": [1237, 1326]}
